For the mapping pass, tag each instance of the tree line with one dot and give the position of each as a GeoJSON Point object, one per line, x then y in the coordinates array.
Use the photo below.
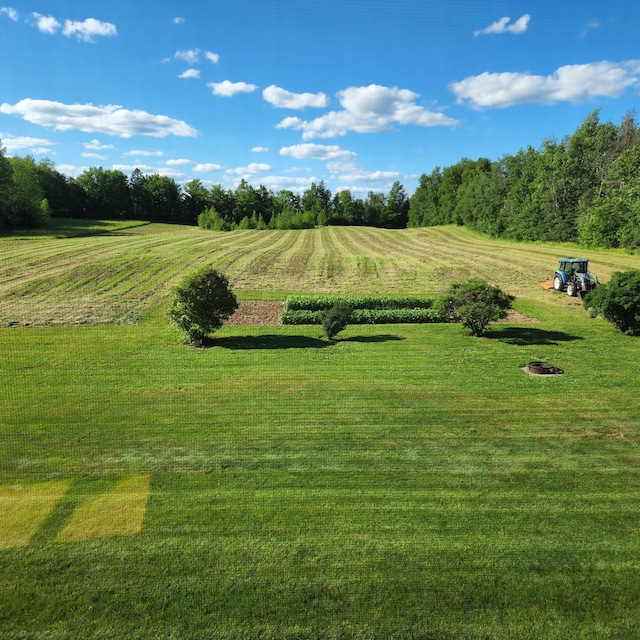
{"type": "Point", "coordinates": [584, 188]}
{"type": "Point", "coordinates": [31, 193]}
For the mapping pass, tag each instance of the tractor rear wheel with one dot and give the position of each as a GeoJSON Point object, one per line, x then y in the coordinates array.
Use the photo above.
{"type": "Point", "coordinates": [557, 283]}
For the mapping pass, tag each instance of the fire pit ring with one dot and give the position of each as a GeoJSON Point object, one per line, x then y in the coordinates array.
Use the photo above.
{"type": "Point", "coordinates": [542, 369]}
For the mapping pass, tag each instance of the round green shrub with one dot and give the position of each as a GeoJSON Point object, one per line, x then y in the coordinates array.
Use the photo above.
{"type": "Point", "coordinates": [200, 304]}
{"type": "Point", "coordinates": [335, 319]}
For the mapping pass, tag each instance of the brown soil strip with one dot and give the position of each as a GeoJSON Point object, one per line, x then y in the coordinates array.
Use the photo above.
{"type": "Point", "coordinates": [256, 313]}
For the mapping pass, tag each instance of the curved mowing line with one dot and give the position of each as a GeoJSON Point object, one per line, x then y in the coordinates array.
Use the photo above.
{"type": "Point", "coordinates": [231, 249]}
{"type": "Point", "coordinates": [263, 269]}
{"type": "Point", "coordinates": [266, 256]}
{"type": "Point", "coordinates": [58, 259]}
{"type": "Point", "coordinates": [389, 261]}
{"type": "Point", "coordinates": [113, 278]}
{"type": "Point", "coordinates": [516, 268]}
{"type": "Point", "coordinates": [333, 262]}
{"type": "Point", "coordinates": [119, 512]}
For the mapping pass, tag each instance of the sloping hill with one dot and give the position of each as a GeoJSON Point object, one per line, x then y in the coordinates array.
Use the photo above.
{"type": "Point", "coordinates": [119, 277]}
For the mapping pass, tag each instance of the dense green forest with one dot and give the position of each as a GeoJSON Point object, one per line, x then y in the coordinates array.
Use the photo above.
{"type": "Point", "coordinates": [584, 188]}
{"type": "Point", "coordinates": [32, 193]}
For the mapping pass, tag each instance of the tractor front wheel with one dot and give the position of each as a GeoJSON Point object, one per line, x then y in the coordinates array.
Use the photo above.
{"type": "Point", "coordinates": [571, 289]}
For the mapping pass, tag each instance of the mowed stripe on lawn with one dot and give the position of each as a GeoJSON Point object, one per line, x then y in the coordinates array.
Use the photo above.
{"type": "Point", "coordinates": [118, 512]}
{"type": "Point", "coordinates": [23, 509]}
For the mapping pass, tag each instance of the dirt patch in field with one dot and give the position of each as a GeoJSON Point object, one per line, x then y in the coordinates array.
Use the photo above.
{"type": "Point", "coordinates": [515, 316]}
{"type": "Point", "coordinates": [256, 313]}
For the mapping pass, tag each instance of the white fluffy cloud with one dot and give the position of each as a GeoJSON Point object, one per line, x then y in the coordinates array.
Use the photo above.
{"type": "Point", "coordinates": [45, 24]}
{"type": "Point", "coordinates": [341, 163]}
{"type": "Point", "coordinates": [369, 110]}
{"type": "Point", "coordinates": [209, 167]}
{"type": "Point", "coordinates": [170, 173]}
{"type": "Point", "coordinates": [16, 143]}
{"type": "Point", "coordinates": [190, 56]}
{"type": "Point", "coordinates": [503, 26]}
{"type": "Point", "coordinates": [259, 150]}
{"type": "Point", "coordinates": [317, 152]}
{"type": "Point", "coordinates": [251, 169]}
{"type": "Point", "coordinates": [144, 153]}
{"type": "Point", "coordinates": [571, 83]}
{"type": "Point", "coordinates": [284, 99]}
{"type": "Point", "coordinates": [10, 12]}
{"type": "Point", "coordinates": [179, 162]}
{"type": "Point", "coordinates": [108, 119]}
{"type": "Point", "coordinates": [190, 73]}
{"type": "Point", "coordinates": [228, 89]}
{"type": "Point", "coordinates": [178, 20]}
{"type": "Point", "coordinates": [96, 145]}
{"type": "Point", "coordinates": [371, 176]}
{"type": "Point", "coordinates": [88, 29]}
{"type": "Point", "coordinates": [129, 168]}
{"type": "Point", "coordinates": [85, 30]}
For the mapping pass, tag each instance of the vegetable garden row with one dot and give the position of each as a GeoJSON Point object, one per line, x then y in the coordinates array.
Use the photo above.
{"type": "Point", "coordinates": [366, 309]}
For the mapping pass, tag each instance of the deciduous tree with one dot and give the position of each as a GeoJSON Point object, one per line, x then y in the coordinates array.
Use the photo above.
{"type": "Point", "coordinates": [475, 304]}
{"type": "Point", "coordinates": [108, 195]}
{"type": "Point", "coordinates": [201, 302]}
{"type": "Point", "coordinates": [6, 180]}
{"type": "Point", "coordinates": [618, 301]}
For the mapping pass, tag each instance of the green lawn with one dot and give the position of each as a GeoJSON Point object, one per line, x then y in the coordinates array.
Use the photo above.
{"type": "Point", "coordinates": [408, 481]}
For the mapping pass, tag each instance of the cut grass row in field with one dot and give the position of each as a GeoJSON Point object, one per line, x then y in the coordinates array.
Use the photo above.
{"type": "Point", "coordinates": [121, 277]}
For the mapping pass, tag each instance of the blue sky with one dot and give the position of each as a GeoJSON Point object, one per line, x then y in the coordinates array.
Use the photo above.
{"type": "Point", "coordinates": [285, 92]}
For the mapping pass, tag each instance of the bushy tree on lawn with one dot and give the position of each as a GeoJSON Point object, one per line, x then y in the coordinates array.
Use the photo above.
{"type": "Point", "coordinates": [200, 304]}
{"type": "Point", "coordinates": [618, 301]}
{"type": "Point", "coordinates": [334, 320]}
{"type": "Point", "coordinates": [475, 304]}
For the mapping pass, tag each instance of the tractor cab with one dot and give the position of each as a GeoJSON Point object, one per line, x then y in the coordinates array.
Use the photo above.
{"type": "Point", "coordinates": [573, 277]}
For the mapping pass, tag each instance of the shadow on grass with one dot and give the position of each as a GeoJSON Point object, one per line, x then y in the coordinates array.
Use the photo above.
{"type": "Point", "coordinates": [267, 342]}
{"type": "Point", "coordinates": [286, 342]}
{"type": "Point", "coordinates": [523, 336]}
{"type": "Point", "coordinates": [380, 338]}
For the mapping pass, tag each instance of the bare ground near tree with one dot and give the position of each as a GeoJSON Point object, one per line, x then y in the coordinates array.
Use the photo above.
{"type": "Point", "coordinates": [256, 313]}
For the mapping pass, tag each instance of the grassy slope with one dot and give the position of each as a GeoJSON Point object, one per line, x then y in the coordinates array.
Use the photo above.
{"type": "Point", "coordinates": [408, 481]}
{"type": "Point", "coordinates": [124, 275]}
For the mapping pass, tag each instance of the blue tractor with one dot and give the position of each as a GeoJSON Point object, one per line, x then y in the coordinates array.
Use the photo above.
{"type": "Point", "coordinates": [573, 277]}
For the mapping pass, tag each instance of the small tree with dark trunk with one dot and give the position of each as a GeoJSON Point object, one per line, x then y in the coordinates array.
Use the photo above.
{"type": "Point", "coordinates": [200, 304]}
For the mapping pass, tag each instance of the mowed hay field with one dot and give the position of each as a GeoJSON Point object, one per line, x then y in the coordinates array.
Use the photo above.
{"type": "Point", "coordinates": [122, 275]}
{"type": "Point", "coordinates": [407, 481]}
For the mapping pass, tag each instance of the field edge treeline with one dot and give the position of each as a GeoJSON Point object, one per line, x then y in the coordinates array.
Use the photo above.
{"type": "Point", "coordinates": [584, 188]}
